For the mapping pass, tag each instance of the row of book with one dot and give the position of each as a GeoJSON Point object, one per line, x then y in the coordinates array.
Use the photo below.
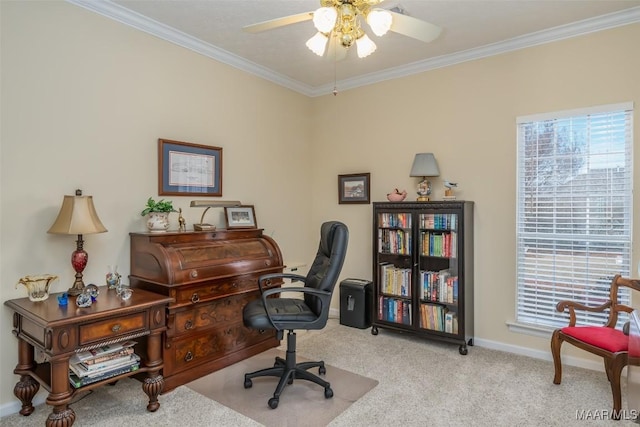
{"type": "Point", "coordinates": [391, 241]}
{"type": "Point", "coordinates": [439, 244]}
{"type": "Point", "coordinates": [397, 220]}
{"type": "Point", "coordinates": [102, 363]}
{"type": "Point", "coordinates": [439, 286]}
{"type": "Point", "coordinates": [395, 280]}
{"type": "Point", "coordinates": [438, 318]}
{"type": "Point", "coordinates": [394, 310]}
{"type": "Point", "coordinates": [439, 221]}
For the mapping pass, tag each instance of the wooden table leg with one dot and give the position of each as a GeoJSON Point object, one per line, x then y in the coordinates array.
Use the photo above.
{"type": "Point", "coordinates": [62, 415]}
{"type": "Point", "coordinates": [154, 383]}
{"type": "Point", "coordinates": [27, 387]}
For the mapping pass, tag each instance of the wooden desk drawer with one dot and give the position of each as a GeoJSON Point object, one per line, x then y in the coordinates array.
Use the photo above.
{"type": "Point", "coordinates": [212, 314]}
{"type": "Point", "coordinates": [112, 328]}
{"type": "Point", "coordinates": [191, 351]}
{"type": "Point", "coordinates": [217, 289]}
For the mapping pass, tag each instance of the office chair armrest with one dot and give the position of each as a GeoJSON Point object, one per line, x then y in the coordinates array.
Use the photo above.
{"type": "Point", "coordinates": [324, 296]}
{"type": "Point", "coordinates": [271, 276]}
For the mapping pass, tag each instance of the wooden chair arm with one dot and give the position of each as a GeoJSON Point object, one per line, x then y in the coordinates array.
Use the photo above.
{"type": "Point", "coordinates": [572, 306]}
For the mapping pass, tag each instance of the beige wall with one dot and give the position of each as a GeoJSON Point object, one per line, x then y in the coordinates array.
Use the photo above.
{"type": "Point", "coordinates": [84, 100]}
{"type": "Point", "coordinates": [465, 114]}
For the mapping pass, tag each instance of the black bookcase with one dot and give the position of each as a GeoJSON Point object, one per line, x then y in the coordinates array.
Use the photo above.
{"type": "Point", "coordinates": [423, 269]}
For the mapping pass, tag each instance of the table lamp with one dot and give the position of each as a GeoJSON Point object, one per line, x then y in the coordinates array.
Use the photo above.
{"type": "Point", "coordinates": [77, 216]}
{"type": "Point", "coordinates": [424, 165]}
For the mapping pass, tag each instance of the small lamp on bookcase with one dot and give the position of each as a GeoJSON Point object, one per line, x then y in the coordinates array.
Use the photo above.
{"type": "Point", "coordinates": [424, 165]}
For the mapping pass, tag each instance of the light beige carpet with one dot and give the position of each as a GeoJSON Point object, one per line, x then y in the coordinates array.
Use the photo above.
{"type": "Point", "coordinates": [302, 404]}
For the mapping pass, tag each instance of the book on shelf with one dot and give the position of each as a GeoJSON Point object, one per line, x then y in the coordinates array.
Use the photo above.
{"type": "Point", "coordinates": [104, 352]}
{"type": "Point", "coordinates": [77, 381]}
{"type": "Point", "coordinates": [83, 370]}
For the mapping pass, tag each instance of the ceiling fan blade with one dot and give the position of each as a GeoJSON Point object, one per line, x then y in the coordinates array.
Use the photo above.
{"type": "Point", "coordinates": [278, 22]}
{"type": "Point", "coordinates": [414, 28]}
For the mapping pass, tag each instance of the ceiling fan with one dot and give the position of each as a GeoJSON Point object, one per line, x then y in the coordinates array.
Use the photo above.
{"type": "Point", "coordinates": [340, 22]}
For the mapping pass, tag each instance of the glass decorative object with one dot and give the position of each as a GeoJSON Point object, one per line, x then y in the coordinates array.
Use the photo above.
{"type": "Point", "coordinates": [37, 286]}
{"type": "Point", "coordinates": [84, 300]}
{"type": "Point", "coordinates": [113, 277]}
{"type": "Point", "coordinates": [93, 291]}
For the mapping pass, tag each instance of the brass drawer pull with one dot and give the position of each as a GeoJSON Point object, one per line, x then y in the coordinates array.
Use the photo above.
{"type": "Point", "coordinates": [188, 324]}
{"type": "Point", "coordinates": [195, 298]}
{"type": "Point", "coordinates": [188, 357]}
{"type": "Point", "coordinates": [194, 274]}
{"type": "Point", "coordinates": [116, 328]}
{"type": "Point", "coordinates": [267, 282]}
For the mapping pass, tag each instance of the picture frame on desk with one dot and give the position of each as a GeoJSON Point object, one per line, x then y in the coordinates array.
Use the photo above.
{"type": "Point", "coordinates": [186, 169]}
{"type": "Point", "coordinates": [354, 188]}
{"type": "Point", "coordinates": [240, 217]}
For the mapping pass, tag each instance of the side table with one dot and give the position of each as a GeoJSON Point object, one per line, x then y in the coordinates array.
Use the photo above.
{"type": "Point", "coordinates": [58, 332]}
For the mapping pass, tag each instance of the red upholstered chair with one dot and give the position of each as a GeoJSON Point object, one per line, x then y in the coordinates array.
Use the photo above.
{"type": "Point", "coordinates": [605, 341]}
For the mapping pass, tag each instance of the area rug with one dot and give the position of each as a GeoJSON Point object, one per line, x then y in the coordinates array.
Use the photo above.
{"type": "Point", "coordinates": [302, 404]}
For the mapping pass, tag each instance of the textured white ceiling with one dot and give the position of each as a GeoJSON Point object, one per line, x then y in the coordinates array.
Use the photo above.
{"type": "Point", "coordinates": [471, 29]}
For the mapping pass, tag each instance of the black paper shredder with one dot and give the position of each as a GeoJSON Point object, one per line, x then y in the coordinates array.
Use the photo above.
{"type": "Point", "coordinates": [355, 303]}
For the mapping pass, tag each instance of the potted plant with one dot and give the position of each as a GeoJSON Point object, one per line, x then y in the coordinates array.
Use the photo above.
{"type": "Point", "coordinates": [158, 214]}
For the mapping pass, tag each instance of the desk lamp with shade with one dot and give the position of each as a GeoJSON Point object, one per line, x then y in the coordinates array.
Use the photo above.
{"type": "Point", "coordinates": [424, 165]}
{"type": "Point", "coordinates": [77, 216]}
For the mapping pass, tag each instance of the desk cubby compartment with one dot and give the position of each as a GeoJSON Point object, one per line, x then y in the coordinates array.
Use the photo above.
{"type": "Point", "coordinates": [423, 269]}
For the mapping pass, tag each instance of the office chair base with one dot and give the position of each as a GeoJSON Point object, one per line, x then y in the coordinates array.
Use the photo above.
{"type": "Point", "coordinates": [288, 370]}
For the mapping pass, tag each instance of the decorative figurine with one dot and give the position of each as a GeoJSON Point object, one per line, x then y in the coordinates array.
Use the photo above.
{"type": "Point", "coordinates": [182, 224]}
{"type": "Point", "coordinates": [397, 195]}
{"type": "Point", "coordinates": [63, 299]}
{"type": "Point", "coordinates": [448, 193]}
{"type": "Point", "coordinates": [113, 277]}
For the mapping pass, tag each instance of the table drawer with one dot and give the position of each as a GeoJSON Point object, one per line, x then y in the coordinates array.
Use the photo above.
{"type": "Point", "coordinates": [112, 328]}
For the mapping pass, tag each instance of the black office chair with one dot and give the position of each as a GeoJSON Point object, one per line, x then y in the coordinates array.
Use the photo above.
{"type": "Point", "coordinates": [309, 313]}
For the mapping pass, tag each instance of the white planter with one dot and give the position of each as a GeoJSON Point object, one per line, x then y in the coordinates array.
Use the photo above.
{"type": "Point", "coordinates": [158, 221]}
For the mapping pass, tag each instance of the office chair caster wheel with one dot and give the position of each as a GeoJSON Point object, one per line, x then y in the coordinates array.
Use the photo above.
{"type": "Point", "coordinates": [273, 403]}
{"type": "Point", "coordinates": [374, 331]}
{"type": "Point", "coordinates": [328, 393]}
{"type": "Point", "coordinates": [248, 383]}
{"type": "Point", "coordinates": [463, 350]}
{"type": "Point", "coordinates": [322, 370]}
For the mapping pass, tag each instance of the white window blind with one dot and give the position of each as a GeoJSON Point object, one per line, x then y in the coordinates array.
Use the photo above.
{"type": "Point", "coordinates": [574, 210]}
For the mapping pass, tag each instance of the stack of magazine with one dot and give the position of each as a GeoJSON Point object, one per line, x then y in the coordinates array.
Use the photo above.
{"type": "Point", "coordinates": [104, 362]}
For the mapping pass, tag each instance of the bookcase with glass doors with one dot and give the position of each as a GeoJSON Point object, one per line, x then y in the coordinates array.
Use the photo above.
{"type": "Point", "coordinates": [423, 269]}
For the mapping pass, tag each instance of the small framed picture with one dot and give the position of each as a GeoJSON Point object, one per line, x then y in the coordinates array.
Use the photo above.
{"type": "Point", "coordinates": [354, 188]}
{"type": "Point", "coordinates": [240, 217]}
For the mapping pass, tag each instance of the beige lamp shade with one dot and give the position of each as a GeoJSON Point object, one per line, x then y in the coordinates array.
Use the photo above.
{"type": "Point", "coordinates": [77, 216]}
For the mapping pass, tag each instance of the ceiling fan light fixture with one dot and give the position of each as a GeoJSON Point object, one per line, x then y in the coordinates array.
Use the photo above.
{"type": "Point", "coordinates": [365, 46]}
{"type": "Point", "coordinates": [318, 43]}
{"type": "Point", "coordinates": [380, 21]}
{"type": "Point", "coordinates": [325, 18]}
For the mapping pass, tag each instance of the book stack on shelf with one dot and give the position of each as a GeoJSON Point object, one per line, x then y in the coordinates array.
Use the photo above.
{"type": "Point", "coordinates": [103, 362]}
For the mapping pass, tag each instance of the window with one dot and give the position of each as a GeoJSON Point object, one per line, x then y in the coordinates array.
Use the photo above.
{"type": "Point", "coordinates": [574, 210]}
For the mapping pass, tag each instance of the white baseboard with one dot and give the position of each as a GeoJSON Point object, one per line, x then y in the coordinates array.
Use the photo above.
{"type": "Point", "coordinates": [14, 406]}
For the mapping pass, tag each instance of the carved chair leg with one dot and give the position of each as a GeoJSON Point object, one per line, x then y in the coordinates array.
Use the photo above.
{"type": "Point", "coordinates": [616, 365]}
{"type": "Point", "coordinates": [607, 368]}
{"type": "Point", "coordinates": [556, 343]}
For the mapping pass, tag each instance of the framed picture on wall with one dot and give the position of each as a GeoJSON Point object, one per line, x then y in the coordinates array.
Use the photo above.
{"type": "Point", "coordinates": [354, 188]}
{"type": "Point", "coordinates": [186, 169]}
{"type": "Point", "coordinates": [240, 217]}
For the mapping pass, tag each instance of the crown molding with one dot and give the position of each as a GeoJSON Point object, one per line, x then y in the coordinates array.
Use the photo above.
{"type": "Point", "coordinates": [150, 26]}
